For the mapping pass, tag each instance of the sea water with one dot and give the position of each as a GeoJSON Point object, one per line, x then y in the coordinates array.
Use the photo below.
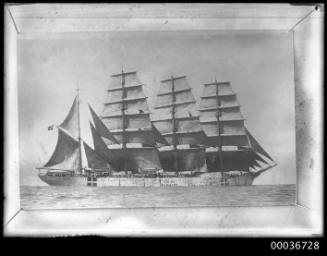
{"type": "Point", "coordinates": [61, 197]}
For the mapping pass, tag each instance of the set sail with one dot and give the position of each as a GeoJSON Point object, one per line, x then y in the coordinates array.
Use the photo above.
{"type": "Point", "coordinates": [71, 122]}
{"type": "Point", "coordinates": [177, 121]}
{"type": "Point", "coordinates": [67, 155]}
{"type": "Point", "coordinates": [178, 139]}
{"type": "Point", "coordinates": [95, 161]}
{"type": "Point", "coordinates": [231, 146]}
{"type": "Point", "coordinates": [124, 134]}
{"type": "Point", "coordinates": [101, 129]}
{"type": "Point", "coordinates": [126, 113]}
{"type": "Point", "coordinates": [257, 147]}
{"type": "Point", "coordinates": [221, 117]}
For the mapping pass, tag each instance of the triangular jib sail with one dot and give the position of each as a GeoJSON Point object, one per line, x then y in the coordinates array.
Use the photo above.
{"type": "Point", "coordinates": [94, 160]}
{"type": "Point", "coordinates": [257, 147]}
{"type": "Point", "coordinates": [99, 144]}
{"type": "Point", "coordinates": [102, 130]}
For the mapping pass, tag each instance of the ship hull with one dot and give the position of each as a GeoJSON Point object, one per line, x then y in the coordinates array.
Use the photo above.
{"type": "Point", "coordinates": [64, 180]}
{"type": "Point", "coordinates": [205, 179]}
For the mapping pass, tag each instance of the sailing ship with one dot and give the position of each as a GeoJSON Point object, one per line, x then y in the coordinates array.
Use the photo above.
{"type": "Point", "coordinates": [65, 167]}
{"type": "Point", "coordinates": [176, 147]}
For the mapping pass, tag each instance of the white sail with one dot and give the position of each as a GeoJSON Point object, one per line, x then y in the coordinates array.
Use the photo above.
{"type": "Point", "coordinates": [220, 116]}
{"type": "Point", "coordinates": [223, 123]}
{"type": "Point", "coordinates": [179, 124]}
{"type": "Point", "coordinates": [66, 155]}
{"type": "Point", "coordinates": [126, 116]}
{"type": "Point", "coordinates": [183, 125]}
{"type": "Point", "coordinates": [71, 121]}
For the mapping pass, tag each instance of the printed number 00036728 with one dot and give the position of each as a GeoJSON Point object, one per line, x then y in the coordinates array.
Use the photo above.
{"type": "Point", "coordinates": [294, 245]}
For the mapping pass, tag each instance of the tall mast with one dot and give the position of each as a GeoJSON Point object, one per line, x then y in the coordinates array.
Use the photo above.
{"type": "Point", "coordinates": [127, 119]}
{"type": "Point", "coordinates": [179, 126]}
{"type": "Point", "coordinates": [174, 123]}
{"type": "Point", "coordinates": [221, 166]}
{"type": "Point", "coordinates": [123, 119]}
{"type": "Point", "coordinates": [79, 131]}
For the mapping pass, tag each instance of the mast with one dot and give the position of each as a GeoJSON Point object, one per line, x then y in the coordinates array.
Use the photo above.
{"type": "Point", "coordinates": [221, 166]}
{"type": "Point", "coordinates": [179, 125]}
{"type": "Point", "coordinates": [223, 123]}
{"type": "Point", "coordinates": [67, 154]}
{"type": "Point", "coordinates": [174, 124]}
{"type": "Point", "coordinates": [123, 118]}
{"type": "Point", "coordinates": [127, 103]}
{"type": "Point", "coordinates": [79, 132]}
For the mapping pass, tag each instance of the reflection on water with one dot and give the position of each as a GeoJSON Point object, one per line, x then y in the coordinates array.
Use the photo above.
{"type": "Point", "coordinates": [46, 197]}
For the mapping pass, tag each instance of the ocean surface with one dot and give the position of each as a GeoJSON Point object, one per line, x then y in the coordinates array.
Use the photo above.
{"type": "Point", "coordinates": [46, 197]}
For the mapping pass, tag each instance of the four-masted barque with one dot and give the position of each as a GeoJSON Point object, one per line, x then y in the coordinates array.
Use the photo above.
{"type": "Point", "coordinates": [176, 145]}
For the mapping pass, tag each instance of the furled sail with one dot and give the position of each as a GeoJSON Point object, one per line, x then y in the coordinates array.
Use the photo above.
{"type": "Point", "coordinates": [70, 123]}
{"type": "Point", "coordinates": [66, 155]}
{"type": "Point", "coordinates": [221, 117]}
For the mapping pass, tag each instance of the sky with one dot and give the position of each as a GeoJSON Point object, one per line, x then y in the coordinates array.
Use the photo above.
{"type": "Point", "coordinates": [258, 65]}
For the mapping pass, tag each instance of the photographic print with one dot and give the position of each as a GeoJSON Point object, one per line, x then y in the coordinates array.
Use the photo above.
{"type": "Point", "coordinates": [156, 119]}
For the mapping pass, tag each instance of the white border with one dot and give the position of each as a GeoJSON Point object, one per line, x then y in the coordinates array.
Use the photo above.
{"type": "Point", "coordinates": [304, 219]}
